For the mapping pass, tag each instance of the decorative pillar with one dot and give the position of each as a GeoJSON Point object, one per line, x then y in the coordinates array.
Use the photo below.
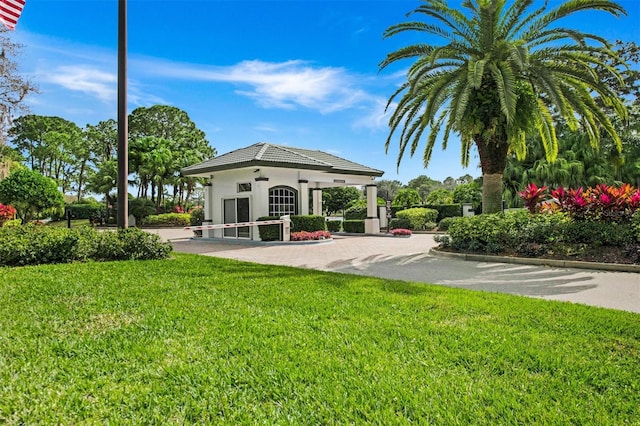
{"type": "Point", "coordinates": [372, 223]}
{"type": "Point", "coordinates": [208, 208]}
{"type": "Point", "coordinates": [303, 191]}
{"type": "Point", "coordinates": [260, 203]}
{"type": "Point", "coordinates": [317, 201]}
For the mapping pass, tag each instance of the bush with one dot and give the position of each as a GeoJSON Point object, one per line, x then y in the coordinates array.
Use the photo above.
{"type": "Point", "coordinates": [445, 223]}
{"type": "Point", "coordinates": [196, 216]}
{"type": "Point", "coordinates": [355, 213]}
{"type": "Point", "coordinates": [310, 236]}
{"type": "Point", "coordinates": [353, 226]}
{"type": "Point", "coordinates": [419, 217]}
{"type": "Point", "coordinates": [86, 211]}
{"type": "Point", "coordinates": [269, 232]}
{"type": "Point", "coordinates": [33, 245]}
{"type": "Point", "coordinates": [140, 208]}
{"type": "Point", "coordinates": [401, 231]}
{"type": "Point", "coordinates": [635, 225]}
{"type": "Point", "coordinates": [397, 223]}
{"type": "Point", "coordinates": [334, 225]}
{"type": "Point", "coordinates": [309, 223]}
{"type": "Point", "coordinates": [168, 219]}
{"type": "Point", "coordinates": [130, 244]}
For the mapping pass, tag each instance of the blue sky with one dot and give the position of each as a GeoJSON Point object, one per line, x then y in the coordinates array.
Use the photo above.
{"type": "Point", "coordinates": [302, 73]}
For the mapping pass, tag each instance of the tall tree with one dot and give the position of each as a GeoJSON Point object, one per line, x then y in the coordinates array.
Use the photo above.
{"type": "Point", "coordinates": [14, 87]}
{"type": "Point", "coordinates": [502, 70]}
{"type": "Point", "coordinates": [30, 193]}
{"type": "Point", "coordinates": [388, 189]}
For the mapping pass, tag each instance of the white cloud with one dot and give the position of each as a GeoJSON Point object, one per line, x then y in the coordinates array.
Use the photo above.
{"type": "Point", "coordinates": [286, 85]}
{"type": "Point", "coordinates": [83, 78]}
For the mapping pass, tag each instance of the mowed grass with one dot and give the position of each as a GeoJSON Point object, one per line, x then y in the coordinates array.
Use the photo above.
{"type": "Point", "coordinates": [211, 341]}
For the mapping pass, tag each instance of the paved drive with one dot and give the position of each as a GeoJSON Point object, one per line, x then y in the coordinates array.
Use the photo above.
{"type": "Point", "coordinates": [409, 259]}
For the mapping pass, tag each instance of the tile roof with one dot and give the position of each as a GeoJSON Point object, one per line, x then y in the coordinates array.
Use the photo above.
{"type": "Point", "coordinates": [266, 154]}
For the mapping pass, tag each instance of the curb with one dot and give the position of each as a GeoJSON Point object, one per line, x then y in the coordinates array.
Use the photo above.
{"type": "Point", "coordinates": [610, 267]}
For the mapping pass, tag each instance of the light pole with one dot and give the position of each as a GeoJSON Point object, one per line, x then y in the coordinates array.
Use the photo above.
{"type": "Point", "coordinates": [123, 148]}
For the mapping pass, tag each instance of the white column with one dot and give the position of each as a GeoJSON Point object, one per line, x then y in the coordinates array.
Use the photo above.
{"type": "Point", "coordinates": [304, 196]}
{"type": "Point", "coordinates": [317, 201]}
{"type": "Point", "coordinates": [372, 223]}
{"type": "Point", "coordinates": [260, 203]}
{"type": "Point", "coordinates": [208, 208]}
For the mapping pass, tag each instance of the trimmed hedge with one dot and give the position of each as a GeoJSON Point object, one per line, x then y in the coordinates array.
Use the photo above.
{"type": "Point", "coordinates": [196, 216]}
{"type": "Point", "coordinates": [167, 219]}
{"type": "Point", "coordinates": [309, 223]}
{"type": "Point", "coordinates": [36, 244]}
{"type": "Point", "coordinates": [86, 211]}
{"type": "Point", "coordinates": [334, 225]}
{"type": "Point", "coordinates": [353, 226]}
{"type": "Point", "coordinates": [445, 223]}
{"type": "Point", "coordinates": [356, 212]}
{"type": "Point", "coordinates": [269, 232]}
{"type": "Point", "coordinates": [399, 223]}
{"type": "Point", "coordinates": [420, 218]}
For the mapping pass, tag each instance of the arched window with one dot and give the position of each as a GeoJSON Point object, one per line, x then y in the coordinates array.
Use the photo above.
{"type": "Point", "coordinates": [283, 200]}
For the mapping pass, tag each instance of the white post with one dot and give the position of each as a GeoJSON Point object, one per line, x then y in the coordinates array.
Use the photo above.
{"type": "Point", "coordinates": [208, 208]}
{"type": "Point", "coordinates": [260, 202]}
{"type": "Point", "coordinates": [304, 196]}
{"type": "Point", "coordinates": [286, 228]}
{"type": "Point", "coordinates": [317, 201]}
{"type": "Point", "coordinates": [372, 223]}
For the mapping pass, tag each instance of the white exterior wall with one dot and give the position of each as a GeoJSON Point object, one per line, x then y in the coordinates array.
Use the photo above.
{"type": "Point", "coordinates": [225, 186]}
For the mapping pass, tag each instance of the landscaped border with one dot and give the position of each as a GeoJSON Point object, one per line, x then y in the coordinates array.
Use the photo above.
{"type": "Point", "coordinates": [558, 263]}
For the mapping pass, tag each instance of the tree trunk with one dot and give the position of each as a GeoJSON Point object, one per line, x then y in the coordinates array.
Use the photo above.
{"type": "Point", "coordinates": [492, 193]}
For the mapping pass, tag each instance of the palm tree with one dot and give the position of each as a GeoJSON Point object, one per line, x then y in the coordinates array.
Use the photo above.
{"type": "Point", "coordinates": [503, 71]}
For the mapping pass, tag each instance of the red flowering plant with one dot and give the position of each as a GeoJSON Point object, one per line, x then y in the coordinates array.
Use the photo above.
{"type": "Point", "coordinates": [6, 213]}
{"type": "Point", "coordinates": [602, 202]}
{"type": "Point", "coordinates": [310, 236]}
{"type": "Point", "coordinates": [401, 231]}
{"type": "Point", "coordinates": [533, 196]}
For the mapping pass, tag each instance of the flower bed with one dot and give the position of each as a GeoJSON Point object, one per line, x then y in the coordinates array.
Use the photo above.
{"type": "Point", "coordinates": [401, 232]}
{"type": "Point", "coordinates": [310, 236]}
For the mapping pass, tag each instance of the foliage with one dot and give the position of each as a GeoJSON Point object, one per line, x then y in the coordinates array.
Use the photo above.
{"type": "Point", "coordinates": [29, 192]}
{"type": "Point", "coordinates": [309, 223]}
{"type": "Point", "coordinates": [217, 341]}
{"type": "Point", "coordinates": [400, 231]}
{"type": "Point", "coordinates": [398, 223]}
{"type": "Point", "coordinates": [12, 223]}
{"type": "Point", "coordinates": [356, 212]}
{"type": "Point", "coordinates": [86, 211]}
{"type": "Point", "coordinates": [406, 197]}
{"type": "Point", "coordinates": [271, 232]}
{"type": "Point", "coordinates": [387, 189]}
{"type": "Point", "coordinates": [334, 225]}
{"type": "Point", "coordinates": [196, 216]}
{"type": "Point", "coordinates": [354, 226]}
{"type": "Point", "coordinates": [6, 213]}
{"type": "Point", "coordinates": [140, 208]}
{"type": "Point", "coordinates": [445, 210]}
{"type": "Point", "coordinates": [484, 80]}
{"type": "Point", "coordinates": [310, 236]}
{"type": "Point", "coordinates": [33, 244]}
{"type": "Point", "coordinates": [339, 198]}
{"type": "Point", "coordinates": [419, 217]}
{"type": "Point", "coordinates": [439, 196]}
{"type": "Point", "coordinates": [14, 88]}
{"type": "Point", "coordinates": [168, 219]}
{"type": "Point", "coordinates": [635, 225]}
{"type": "Point", "coordinates": [603, 202]}
{"type": "Point", "coordinates": [468, 193]}
{"type": "Point", "coordinates": [532, 196]}
{"type": "Point", "coordinates": [445, 223]}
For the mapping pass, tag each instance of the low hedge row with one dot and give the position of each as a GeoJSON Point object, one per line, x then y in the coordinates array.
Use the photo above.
{"type": "Point", "coordinates": [520, 231]}
{"type": "Point", "coordinates": [419, 218]}
{"type": "Point", "coordinates": [37, 244]}
{"type": "Point", "coordinates": [168, 219]}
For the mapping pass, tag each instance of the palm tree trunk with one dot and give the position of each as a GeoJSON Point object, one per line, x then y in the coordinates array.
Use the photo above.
{"type": "Point", "coordinates": [492, 193]}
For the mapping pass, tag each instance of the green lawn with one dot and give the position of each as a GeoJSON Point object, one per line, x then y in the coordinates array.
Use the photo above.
{"type": "Point", "coordinates": [204, 340]}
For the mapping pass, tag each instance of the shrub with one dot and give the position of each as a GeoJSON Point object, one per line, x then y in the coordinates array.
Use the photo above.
{"type": "Point", "coordinates": [168, 219]}
{"type": "Point", "coordinates": [130, 244]}
{"type": "Point", "coordinates": [140, 208]}
{"type": "Point", "coordinates": [196, 216]}
{"type": "Point", "coordinates": [334, 225]}
{"type": "Point", "coordinates": [439, 196]}
{"type": "Point", "coordinates": [353, 226]}
{"type": "Point", "coordinates": [86, 211]}
{"type": "Point", "coordinates": [309, 223]}
{"type": "Point", "coordinates": [397, 222]}
{"type": "Point", "coordinates": [310, 236]}
{"type": "Point", "coordinates": [419, 217]}
{"type": "Point", "coordinates": [401, 231]}
{"type": "Point", "coordinates": [635, 224]}
{"type": "Point", "coordinates": [32, 245]}
{"type": "Point", "coordinates": [355, 213]}
{"type": "Point", "coordinates": [12, 223]}
{"type": "Point", "coordinates": [269, 232]}
{"type": "Point", "coordinates": [6, 213]}
{"type": "Point", "coordinates": [444, 224]}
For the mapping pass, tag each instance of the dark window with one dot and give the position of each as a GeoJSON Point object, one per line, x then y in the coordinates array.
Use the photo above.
{"type": "Point", "coordinates": [283, 200]}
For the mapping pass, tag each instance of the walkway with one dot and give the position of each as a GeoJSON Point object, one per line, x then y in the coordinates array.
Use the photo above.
{"type": "Point", "coordinates": [409, 259]}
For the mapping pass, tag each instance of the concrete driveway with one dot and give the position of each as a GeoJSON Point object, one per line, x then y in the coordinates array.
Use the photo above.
{"type": "Point", "coordinates": [409, 259]}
